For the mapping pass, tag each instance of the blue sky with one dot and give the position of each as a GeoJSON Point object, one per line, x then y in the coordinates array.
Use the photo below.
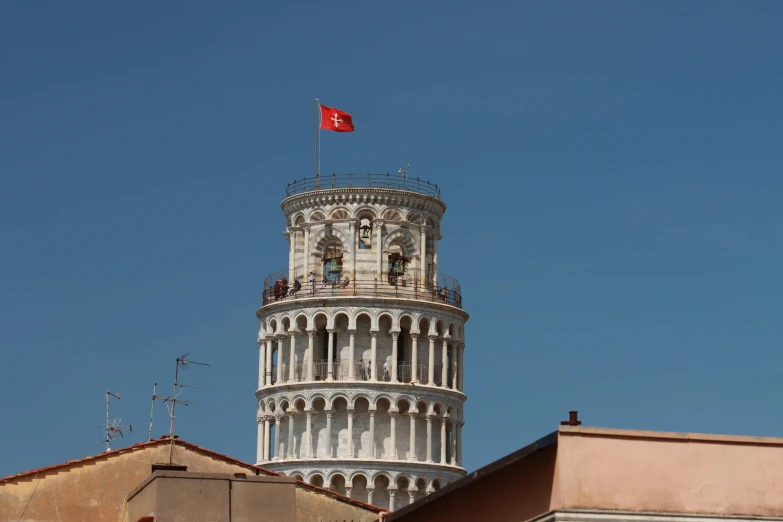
{"type": "Point", "coordinates": [611, 170]}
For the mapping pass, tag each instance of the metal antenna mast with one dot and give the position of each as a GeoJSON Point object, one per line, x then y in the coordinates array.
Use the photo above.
{"type": "Point", "coordinates": [152, 410]}
{"type": "Point", "coordinates": [184, 363]}
{"type": "Point", "coordinates": [113, 429]}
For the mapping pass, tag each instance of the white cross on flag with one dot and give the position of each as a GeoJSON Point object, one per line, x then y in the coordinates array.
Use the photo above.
{"type": "Point", "coordinates": [335, 120]}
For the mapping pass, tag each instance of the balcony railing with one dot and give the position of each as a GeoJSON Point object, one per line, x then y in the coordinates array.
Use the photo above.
{"type": "Point", "coordinates": [341, 372]}
{"type": "Point", "coordinates": [447, 290]}
{"type": "Point", "coordinates": [389, 181]}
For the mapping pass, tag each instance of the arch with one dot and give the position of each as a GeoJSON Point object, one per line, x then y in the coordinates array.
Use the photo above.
{"type": "Point", "coordinates": [390, 315]}
{"type": "Point", "coordinates": [319, 312]}
{"type": "Point", "coordinates": [340, 212]}
{"type": "Point", "coordinates": [271, 326]}
{"type": "Point", "coordinates": [336, 482]}
{"type": "Point", "coordinates": [404, 238]}
{"type": "Point", "coordinates": [298, 218]}
{"type": "Point", "coordinates": [412, 316]}
{"type": "Point", "coordinates": [334, 397]}
{"type": "Point", "coordinates": [392, 214]}
{"type": "Point", "coordinates": [328, 234]}
{"type": "Point", "coordinates": [382, 473]}
{"type": "Point", "coordinates": [337, 312]}
{"type": "Point", "coordinates": [360, 395]}
{"type": "Point", "coordinates": [370, 313]}
{"type": "Point", "coordinates": [316, 479]}
{"type": "Point", "coordinates": [415, 217]}
{"type": "Point", "coordinates": [316, 216]}
{"type": "Point", "coordinates": [297, 399]}
{"type": "Point", "coordinates": [297, 476]}
{"type": "Point", "coordinates": [379, 397]}
{"type": "Point", "coordinates": [365, 212]}
{"type": "Point", "coordinates": [405, 397]}
{"type": "Point", "coordinates": [315, 396]}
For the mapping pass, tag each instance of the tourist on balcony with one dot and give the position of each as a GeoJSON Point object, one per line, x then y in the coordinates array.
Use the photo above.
{"type": "Point", "coordinates": [297, 287]}
{"type": "Point", "coordinates": [278, 289]}
{"type": "Point", "coordinates": [324, 282]}
{"type": "Point", "coordinates": [311, 281]}
{"type": "Point", "coordinates": [346, 282]}
{"type": "Point", "coordinates": [284, 285]}
{"type": "Point", "coordinates": [361, 370]}
{"type": "Point", "coordinates": [386, 371]}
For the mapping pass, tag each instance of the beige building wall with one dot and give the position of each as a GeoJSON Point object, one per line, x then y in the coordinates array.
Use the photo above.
{"type": "Point", "coordinates": [581, 474]}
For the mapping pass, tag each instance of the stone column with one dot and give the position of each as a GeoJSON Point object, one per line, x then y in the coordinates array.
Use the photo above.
{"type": "Point", "coordinates": [260, 440]}
{"type": "Point", "coordinates": [330, 357]}
{"type": "Point", "coordinates": [309, 434]}
{"type": "Point", "coordinates": [352, 228]}
{"type": "Point", "coordinates": [379, 247]}
{"type": "Point", "coordinates": [395, 336]}
{"type": "Point", "coordinates": [435, 238]}
{"type": "Point", "coordinates": [292, 359]}
{"type": "Point", "coordinates": [266, 439]}
{"type": "Point", "coordinates": [290, 450]}
{"type": "Point", "coordinates": [306, 254]}
{"type": "Point", "coordinates": [461, 363]}
{"type": "Point", "coordinates": [414, 357]}
{"type": "Point", "coordinates": [280, 358]}
{"type": "Point", "coordinates": [350, 435]}
{"type": "Point", "coordinates": [429, 438]}
{"type": "Point", "coordinates": [310, 352]}
{"type": "Point", "coordinates": [393, 429]}
{"type": "Point", "coordinates": [261, 363]}
{"type": "Point", "coordinates": [291, 236]}
{"type": "Point", "coordinates": [392, 493]}
{"type": "Point", "coordinates": [279, 437]}
{"type": "Point", "coordinates": [443, 440]}
{"type": "Point", "coordinates": [459, 443]}
{"type": "Point", "coordinates": [373, 356]}
{"type": "Point", "coordinates": [423, 257]}
{"type": "Point", "coordinates": [412, 451]}
{"type": "Point", "coordinates": [352, 361]}
{"type": "Point", "coordinates": [269, 342]}
{"type": "Point", "coordinates": [455, 368]}
{"type": "Point", "coordinates": [372, 434]}
{"type": "Point", "coordinates": [453, 442]}
{"type": "Point", "coordinates": [328, 434]}
{"type": "Point", "coordinates": [412, 495]}
{"type": "Point", "coordinates": [431, 369]}
{"type": "Point", "coordinates": [369, 494]}
{"type": "Point", "coordinates": [444, 365]}
{"type": "Point", "coordinates": [348, 491]}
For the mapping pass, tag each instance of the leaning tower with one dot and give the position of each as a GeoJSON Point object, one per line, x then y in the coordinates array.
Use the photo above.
{"type": "Point", "coordinates": [361, 342]}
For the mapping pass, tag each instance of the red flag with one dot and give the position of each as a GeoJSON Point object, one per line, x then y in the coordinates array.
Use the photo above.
{"type": "Point", "coordinates": [335, 120]}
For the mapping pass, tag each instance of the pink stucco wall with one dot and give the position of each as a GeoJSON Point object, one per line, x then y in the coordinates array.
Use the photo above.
{"type": "Point", "coordinates": [668, 472]}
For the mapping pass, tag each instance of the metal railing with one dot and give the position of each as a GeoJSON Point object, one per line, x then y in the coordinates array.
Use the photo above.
{"type": "Point", "coordinates": [447, 290]}
{"type": "Point", "coordinates": [389, 181]}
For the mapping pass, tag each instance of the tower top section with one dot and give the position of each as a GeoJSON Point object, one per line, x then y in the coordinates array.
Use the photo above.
{"type": "Point", "coordinates": [363, 181]}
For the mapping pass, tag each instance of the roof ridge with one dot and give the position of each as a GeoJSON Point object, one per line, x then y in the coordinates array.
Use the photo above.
{"type": "Point", "coordinates": [195, 447]}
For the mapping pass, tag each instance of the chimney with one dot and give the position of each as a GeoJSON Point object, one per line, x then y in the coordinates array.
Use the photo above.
{"type": "Point", "coordinates": [573, 419]}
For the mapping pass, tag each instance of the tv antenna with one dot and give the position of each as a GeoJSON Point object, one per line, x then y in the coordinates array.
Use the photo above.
{"type": "Point", "coordinates": [184, 362]}
{"type": "Point", "coordinates": [114, 428]}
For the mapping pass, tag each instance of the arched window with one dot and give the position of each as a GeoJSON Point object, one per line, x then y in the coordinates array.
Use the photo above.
{"type": "Point", "coordinates": [397, 264]}
{"type": "Point", "coordinates": [333, 262]}
{"type": "Point", "coordinates": [365, 234]}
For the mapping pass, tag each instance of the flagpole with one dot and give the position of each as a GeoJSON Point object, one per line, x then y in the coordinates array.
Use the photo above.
{"type": "Point", "coordinates": [315, 139]}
